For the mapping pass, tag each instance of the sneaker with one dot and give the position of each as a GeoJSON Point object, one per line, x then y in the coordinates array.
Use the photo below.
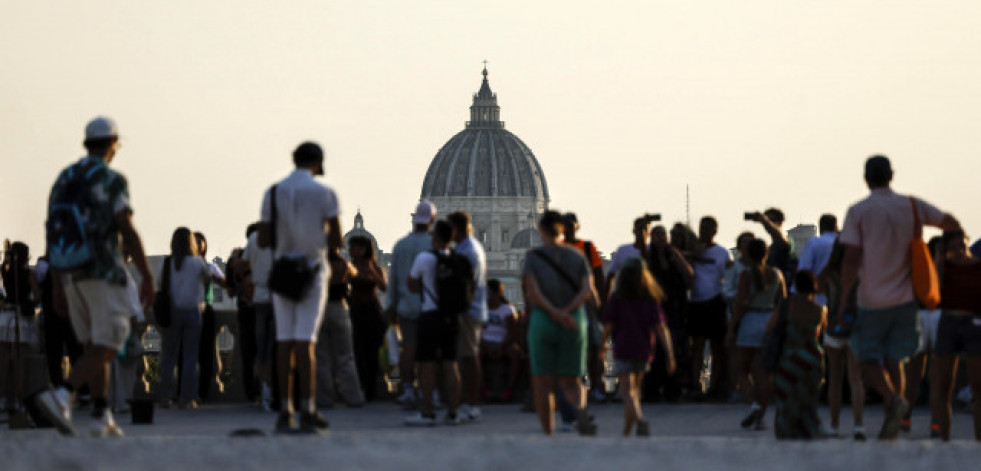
{"type": "Point", "coordinates": [751, 418]}
{"type": "Point", "coordinates": [267, 398]}
{"type": "Point", "coordinates": [468, 412]}
{"type": "Point", "coordinates": [105, 427]}
{"type": "Point", "coordinates": [894, 415]}
{"type": "Point", "coordinates": [285, 422]}
{"type": "Point", "coordinates": [453, 419]}
{"type": "Point", "coordinates": [830, 432]}
{"type": "Point", "coordinates": [860, 434]}
{"type": "Point", "coordinates": [56, 405]}
{"type": "Point", "coordinates": [643, 428]}
{"type": "Point", "coordinates": [934, 431]}
{"type": "Point", "coordinates": [312, 422]}
{"type": "Point", "coordinates": [567, 427]}
{"type": "Point", "coordinates": [166, 404]}
{"type": "Point", "coordinates": [189, 404]}
{"type": "Point", "coordinates": [759, 424]}
{"type": "Point", "coordinates": [585, 424]}
{"type": "Point", "coordinates": [407, 397]}
{"type": "Point", "coordinates": [507, 395]}
{"type": "Point", "coordinates": [419, 420]}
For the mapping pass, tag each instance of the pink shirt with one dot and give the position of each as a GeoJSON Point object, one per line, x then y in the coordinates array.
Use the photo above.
{"type": "Point", "coordinates": [882, 226]}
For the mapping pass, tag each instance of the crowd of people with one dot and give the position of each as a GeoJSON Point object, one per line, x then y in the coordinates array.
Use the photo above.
{"type": "Point", "coordinates": [773, 326]}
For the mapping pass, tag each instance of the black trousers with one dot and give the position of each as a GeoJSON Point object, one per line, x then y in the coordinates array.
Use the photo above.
{"type": "Point", "coordinates": [368, 328]}
{"type": "Point", "coordinates": [59, 340]}
{"type": "Point", "coordinates": [207, 357]}
{"type": "Point", "coordinates": [248, 348]}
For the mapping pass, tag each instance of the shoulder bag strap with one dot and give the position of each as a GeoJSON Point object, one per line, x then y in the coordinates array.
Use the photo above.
{"type": "Point", "coordinates": [917, 228]}
{"type": "Point", "coordinates": [565, 276]}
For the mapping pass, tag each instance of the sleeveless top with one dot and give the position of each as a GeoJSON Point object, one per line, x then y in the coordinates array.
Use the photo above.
{"type": "Point", "coordinates": [762, 300]}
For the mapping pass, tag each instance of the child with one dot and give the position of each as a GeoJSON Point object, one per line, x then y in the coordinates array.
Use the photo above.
{"type": "Point", "coordinates": [633, 316]}
{"type": "Point", "coordinates": [498, 338]}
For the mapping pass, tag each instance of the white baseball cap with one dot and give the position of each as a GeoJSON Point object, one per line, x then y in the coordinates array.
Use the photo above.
{"type": "Point", "coordinates": [425, 213]}
{"type": "Point", "coordinates": [101, 128]}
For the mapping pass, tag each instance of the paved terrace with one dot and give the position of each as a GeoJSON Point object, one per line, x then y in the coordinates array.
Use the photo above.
{"type": "Point", "coordinates": [686, 436]}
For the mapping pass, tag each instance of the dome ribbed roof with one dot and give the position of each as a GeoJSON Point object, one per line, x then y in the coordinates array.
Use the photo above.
{"type": "Point", "coordinates": [485, 159]}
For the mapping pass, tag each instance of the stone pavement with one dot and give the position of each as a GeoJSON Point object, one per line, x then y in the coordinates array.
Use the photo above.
{"type": "Point", "coordinates": [686, 436]}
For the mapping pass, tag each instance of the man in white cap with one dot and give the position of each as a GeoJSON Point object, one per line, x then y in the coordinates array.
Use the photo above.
{"type": "Point", "coordinates": [87, 256]}
{"type": "Point", "coordinates": [404, 306]}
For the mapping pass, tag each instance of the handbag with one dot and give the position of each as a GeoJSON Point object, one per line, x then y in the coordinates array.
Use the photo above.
{"type": "Point", "coordinates": [161, 302]}
{"type": "Point", "coordinates": [775, 338]}
{"type": "Point", "coordinates": [290, 276]}
{"type": "Point", "coordinates": [926, 285]}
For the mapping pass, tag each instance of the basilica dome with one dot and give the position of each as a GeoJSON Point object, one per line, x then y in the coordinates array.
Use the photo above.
{"type": "Point", "coordinates": [485, 160]}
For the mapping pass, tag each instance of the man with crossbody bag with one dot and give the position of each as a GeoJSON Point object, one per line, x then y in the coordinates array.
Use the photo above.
{"type": "Point", "coordinates": [300, 222]}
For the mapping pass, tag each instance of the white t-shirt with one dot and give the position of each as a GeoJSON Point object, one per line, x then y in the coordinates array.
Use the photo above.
{"type": "Point", "coordinates": [496, 328]}
{"type": "Point", "coordinates": [303, 206]}
{"type": "Point", "coordinates": [710, 269]}
{"type": "Point", "coordinates": [621, 255]}
{"type": "Point", "coordinates": [261, 262]}
{"type": "Point", "coordinates": [187, 284]}
{"type": "Point", "coordinates": [424, 269]}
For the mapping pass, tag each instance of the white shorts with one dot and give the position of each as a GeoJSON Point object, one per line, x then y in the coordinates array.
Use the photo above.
{"type": "Point", "coordinates": [929, 320]}
{"type": "Point", "coordinates": [835, 342]}
{"type": "Point", "coordinates": [100, 311]}
{"type": "Point", "coordinates": [300, 321]}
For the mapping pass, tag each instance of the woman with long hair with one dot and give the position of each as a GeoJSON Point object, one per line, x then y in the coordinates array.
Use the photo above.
{"type": "Point", "coordinates": [800, 371]}
{"type": "Point", "coordinates": [336, 369]}
{"type": "Point", "coordinates": [633, 317]}
{"type": "Point", "coordinates": [366, 313]}
{"type": "Point", "coordinates": [959, 332]}
{"type": "Point", "coordinates": [18, 328]}
{"type": "Point", "coordinates": [673, 274]}
{"type": "Point", "coordinates": [189, 274]}
{"type": "Point", "coordinates": [840, 353]}
{"type": "Point", "coordinates": [761, 290]}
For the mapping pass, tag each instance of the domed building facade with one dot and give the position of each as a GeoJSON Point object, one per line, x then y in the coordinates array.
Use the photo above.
{"type": "Point", "coordinates": [491, 174]}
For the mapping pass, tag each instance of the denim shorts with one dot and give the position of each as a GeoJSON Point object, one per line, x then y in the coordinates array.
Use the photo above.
{"type": "Point", "coordinates": [890, 334]}
{"type": "Point", "coordinates": [752, 329]}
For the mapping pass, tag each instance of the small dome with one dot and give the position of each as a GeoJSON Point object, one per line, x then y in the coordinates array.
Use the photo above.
{"type": "Point", "coordinates": [359, 230]}
{"type": "Point", "coordinates": [526, 239]}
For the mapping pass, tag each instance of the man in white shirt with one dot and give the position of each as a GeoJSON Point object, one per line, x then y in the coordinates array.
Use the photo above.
{"type": "Point", "coordinates": [260, 262]}
{"type": "Point", "coordinates": [707, 310]}
{"type": "Point", "coordinates": [304, 207]}
{"type": "Point", "coordinates": [816, 252]}
{"type": "Point", "coordinates": [472, 320]}
{"type": "Point", "coordinates": [437, 332]}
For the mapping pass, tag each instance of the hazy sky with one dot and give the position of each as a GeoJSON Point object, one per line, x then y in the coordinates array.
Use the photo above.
{"type": "Point", "coordinates": [751, 103]}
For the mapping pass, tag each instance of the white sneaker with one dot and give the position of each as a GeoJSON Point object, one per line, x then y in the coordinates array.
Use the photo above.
{"type": "Point", "coordinates": [419, 420]}
{"type": "Point", "coordinates": [567, 427]}
{"type": "Point", "coordinates": [453, 419]}
{"type": "Point", "coordinates": [105, 427]}
{"type": "Point", "coordinates": [468, 412]}
{"type": "Point", "coordinates": [56, 405]}
{"type": "Point", "coordinates": [408, 396]}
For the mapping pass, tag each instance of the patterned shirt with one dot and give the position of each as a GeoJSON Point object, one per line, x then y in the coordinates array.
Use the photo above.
{"type": "Point", "coordinates": [109, 195]}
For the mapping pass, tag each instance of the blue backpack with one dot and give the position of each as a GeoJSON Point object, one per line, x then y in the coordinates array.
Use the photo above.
{"type": "Point", "coordinates": [69, 239]}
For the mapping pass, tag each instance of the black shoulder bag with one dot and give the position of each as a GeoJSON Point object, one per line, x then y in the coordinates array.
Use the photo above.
{"type": "Point", "coordinates": [290, 277]}
{"type": "Point", "coordinates": [161, 302]}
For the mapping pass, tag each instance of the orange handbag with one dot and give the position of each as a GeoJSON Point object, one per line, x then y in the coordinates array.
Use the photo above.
{"type": "Point", "coordinates": [926, 285]}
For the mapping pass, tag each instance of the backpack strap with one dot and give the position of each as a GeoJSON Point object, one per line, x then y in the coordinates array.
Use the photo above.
{"type": "Point", "coordinates": [273, 217]}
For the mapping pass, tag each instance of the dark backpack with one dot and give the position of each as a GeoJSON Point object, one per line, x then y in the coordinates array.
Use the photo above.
{"type": "Point", "coordinates": [70, 240]}
{"type": "Point", "coordinates": [454, 283]}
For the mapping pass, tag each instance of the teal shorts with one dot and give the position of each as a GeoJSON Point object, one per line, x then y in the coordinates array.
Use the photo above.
{"type": "Point", "coordinates": [890, 334]}
{"type": "Point", "coordinates": [555, 350]}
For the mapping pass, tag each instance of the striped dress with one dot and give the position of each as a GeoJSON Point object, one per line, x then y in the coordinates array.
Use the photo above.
{"type": "Point", "coordinates": [798, 382]}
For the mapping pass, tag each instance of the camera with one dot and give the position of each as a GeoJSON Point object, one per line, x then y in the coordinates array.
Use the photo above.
{"type": "Point", "coordinates": [749, 216]}
{"type": "Point", "coordinates": [652, 217]}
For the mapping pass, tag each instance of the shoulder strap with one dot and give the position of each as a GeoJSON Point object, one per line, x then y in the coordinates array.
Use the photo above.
{"type": "Point", "coordinates": [565, 276]}
{"type": "Point", "coordinates": [917, 228]}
